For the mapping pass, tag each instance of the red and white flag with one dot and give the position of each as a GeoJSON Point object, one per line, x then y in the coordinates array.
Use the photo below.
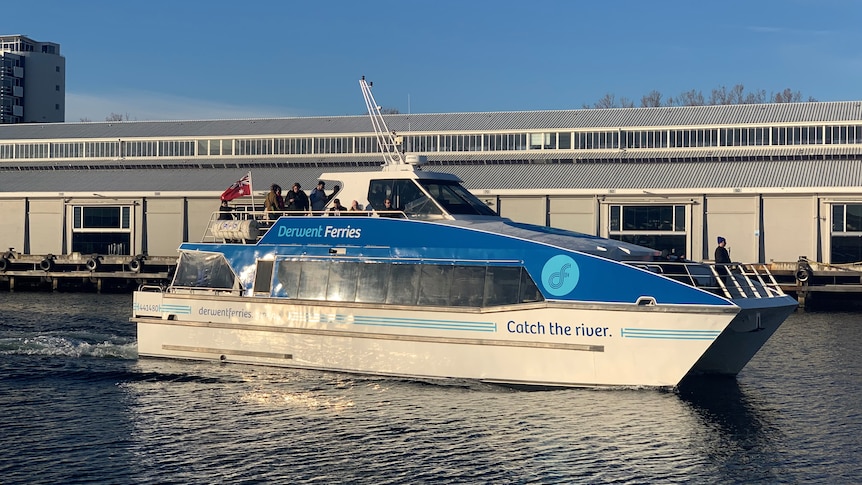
{"type": "Point", "coordinates": [238, 189]}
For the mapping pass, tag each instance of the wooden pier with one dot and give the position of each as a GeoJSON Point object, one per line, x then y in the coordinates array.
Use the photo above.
{"type": "Point", "coordinates": [811, 281]}
{"type": "Point", "coordinates": [808, 281]}
{"type": "Point", "coordinates": [77, 272]}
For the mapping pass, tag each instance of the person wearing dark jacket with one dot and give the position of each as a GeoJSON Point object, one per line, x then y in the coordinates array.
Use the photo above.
{"type": "Point", "coordinates": [296, 199]}
{"type": "Point", "coordinates": [224, 213]}
{"type": "Point", "coordinates": [721, 254]}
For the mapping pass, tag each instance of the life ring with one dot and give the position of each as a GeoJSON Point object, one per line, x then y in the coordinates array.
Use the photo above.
{"type": "Point", "coordinates": [803, 274]}
{"type": "Point", "coordinates": [93, 264]}
{"type": "Point", "coordinates": [136, 265]}
{"type": "Point", "coordinates": [4, 264]}
{"type": "Point", "coordinates": [46, 264]}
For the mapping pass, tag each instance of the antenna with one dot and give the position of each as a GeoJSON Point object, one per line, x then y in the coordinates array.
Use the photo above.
{"type": "Point", "coordinates": [387, 140]}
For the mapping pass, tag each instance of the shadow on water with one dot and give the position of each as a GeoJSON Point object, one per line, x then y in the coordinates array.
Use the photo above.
{"type": "Point", "coordinates": [742, 441]}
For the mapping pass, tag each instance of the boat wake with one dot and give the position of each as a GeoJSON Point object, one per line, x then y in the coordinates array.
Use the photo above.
{"type": "Point", "coordinates": [68, 346]}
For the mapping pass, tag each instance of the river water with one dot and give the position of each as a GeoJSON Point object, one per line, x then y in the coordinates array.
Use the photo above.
{"type": "Point", "coordinates": [76, 406]}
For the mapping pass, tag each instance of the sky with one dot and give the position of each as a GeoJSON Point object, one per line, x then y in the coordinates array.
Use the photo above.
{"type": "Point", "coordinates": [214, 59]}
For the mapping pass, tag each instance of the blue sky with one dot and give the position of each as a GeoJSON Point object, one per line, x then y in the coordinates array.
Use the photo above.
{"type": "Point", "coordinates": [214, 59]}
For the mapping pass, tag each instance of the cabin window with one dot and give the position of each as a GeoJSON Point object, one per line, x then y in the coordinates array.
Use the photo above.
{"type": "Point", "coordinates": [287, 279]}
{"type": "Point", "coordinates": [312, 280]}
{"type": "Point", "coordinates": [403, 284]}
{"type": "Point", "coordinates": [465, 281]}
{"type": "Point", "coordinates": [399, 283]}
{"type": "Point", "coordinates": [373, 281]}
{"type": "Point", "coordinates": [435, 284]}
{"type": "Point", "coordinates": [263, 276]}
{"type": "Point", "coordinates": [204, 270]}
{"type": "Point", "coordinates": [343, 278]}
{"type": "Point", "coordinates": [455, 199]}
{"type": "Point", "coordinates": [846, 240]}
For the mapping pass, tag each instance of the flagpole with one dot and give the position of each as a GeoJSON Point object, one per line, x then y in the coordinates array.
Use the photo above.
{"type": "Point", "coordinates": [251, 189]}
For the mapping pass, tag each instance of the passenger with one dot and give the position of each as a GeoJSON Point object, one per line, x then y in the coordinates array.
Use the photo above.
{"type": "Point", "coordinates": [274, 203]}
{"type": "Point", "coordinates": [354, 206]}
{"type": "Point", "coordinates": [721, 254]}
{"type": "Point", "coordinates": [337, 208]}
{"type": "Point", "coordinates": [389, 210]}
{"type": "Point", "coordinates": [297, 201]}
{"type": "Point", "coordinates": [318, 197]}
{"type": "Point", "coordinates": [224, 213]}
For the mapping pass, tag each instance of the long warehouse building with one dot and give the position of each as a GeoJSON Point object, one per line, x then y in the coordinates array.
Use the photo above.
{"type": "Point", "coordinates": [778, 181]}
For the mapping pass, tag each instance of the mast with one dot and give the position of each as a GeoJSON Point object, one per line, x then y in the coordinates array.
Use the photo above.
{"type": "Point", "coordinates": [386, 140]}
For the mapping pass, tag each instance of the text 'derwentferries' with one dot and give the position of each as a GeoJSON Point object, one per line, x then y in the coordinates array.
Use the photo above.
{"type": "Point", "coordinates": [320, 231]}
{"type": "Point", "coordinates": [554, 328]}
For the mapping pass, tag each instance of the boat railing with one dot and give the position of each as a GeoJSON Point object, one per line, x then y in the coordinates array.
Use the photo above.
{"type": "Point", "coordinates": [732, 281]}
{"type": "Point", "coordinates": [236, 226]}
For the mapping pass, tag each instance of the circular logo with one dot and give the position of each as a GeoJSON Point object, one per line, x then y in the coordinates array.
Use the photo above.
{"type": "Point", "coordinates": [560, 275]}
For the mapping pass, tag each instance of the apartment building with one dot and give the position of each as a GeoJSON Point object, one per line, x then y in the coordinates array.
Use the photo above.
{"type": "Point", "coordinates": [32, 81]}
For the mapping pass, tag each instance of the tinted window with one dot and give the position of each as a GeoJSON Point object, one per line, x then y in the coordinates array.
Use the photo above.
{"type": "Point", "coordinates": [373, 279]}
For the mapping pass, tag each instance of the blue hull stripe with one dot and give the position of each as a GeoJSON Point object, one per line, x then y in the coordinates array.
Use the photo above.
{"type": "Point", "coordinates": [177, 309]}
{"type": "Point", "coordinates": [675, 334]}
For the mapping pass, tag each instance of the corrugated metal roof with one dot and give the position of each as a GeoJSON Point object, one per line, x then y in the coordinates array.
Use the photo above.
{"type": "Point", "coordinates": [760, 114]}
{"type": "Point", "coordinates": [694, 176]}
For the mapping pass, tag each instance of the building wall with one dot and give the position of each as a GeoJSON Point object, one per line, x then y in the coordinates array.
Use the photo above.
{"type": "Point", "coordinates": [574, 213]}
{"type": "Point", "coordinates": [789, 227]}
{"type": "Point", "coordinates": [46, 223]}
{"type": "Point", "coordinates": [758, 227]}
{"type": "Point", "coordinates": [165, 226]}
{"type": "Point", "coordinates": [736, 218]}
{"type": "Point", "coordinates": [44, 88]}
{"type": "Point", "coordinates": [12, 224]}
{"type": "Point", "coordinates": [531, 210]}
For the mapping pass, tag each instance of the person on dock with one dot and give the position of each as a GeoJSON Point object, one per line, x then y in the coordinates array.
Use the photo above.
{"type": "Point", "coordinates": [721, 254]}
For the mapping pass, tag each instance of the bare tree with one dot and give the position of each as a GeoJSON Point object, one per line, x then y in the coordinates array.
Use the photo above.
{"type": "Point", "coordinates": [651, 100]}
{"type": "Point", "coordinates": [608, 101]}
{"type": "Point", "coordinates": [721, 95]}
{"type": "Point", "coordinates": [755, 97]}
{"type": "Point", "coordinates": [85, 120]}
{"type": "Point", "coordinates": [117, 117]}
{"type": "Point", "coordinates": [691, 98]}
{"type": "Point", "coordinates": [787, 96]}
{"type": "Point", "coordinates": [389, 111]}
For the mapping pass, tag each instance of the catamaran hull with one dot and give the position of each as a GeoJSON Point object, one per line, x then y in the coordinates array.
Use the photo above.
{"type": "Point", "coordinates": [548, 345]}
{"type": "Point", "coordinates": [746, 334]}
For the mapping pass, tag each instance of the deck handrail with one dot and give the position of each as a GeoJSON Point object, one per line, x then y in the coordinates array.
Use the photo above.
{"type": "Point", "coordinates": [735, 280]}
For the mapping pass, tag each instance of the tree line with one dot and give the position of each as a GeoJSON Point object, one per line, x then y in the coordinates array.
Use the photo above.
{"type": "Point", "coordinates": [719, 96]}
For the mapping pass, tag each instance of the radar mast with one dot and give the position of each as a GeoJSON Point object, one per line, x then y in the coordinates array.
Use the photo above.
{"type": "Point", "coordinates": [387, 141]}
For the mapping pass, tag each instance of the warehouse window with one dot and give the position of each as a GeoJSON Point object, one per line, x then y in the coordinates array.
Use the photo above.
{"type": "Point", "coordinates": [846, 240]}
{"type": "Point", "coordinates": [660, 227]}
{"type": "Point", "coordinates": [101, 229]}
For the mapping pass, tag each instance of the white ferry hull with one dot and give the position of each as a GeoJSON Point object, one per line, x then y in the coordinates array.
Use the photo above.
{"type": "Point", "coordinates": [550, 344]}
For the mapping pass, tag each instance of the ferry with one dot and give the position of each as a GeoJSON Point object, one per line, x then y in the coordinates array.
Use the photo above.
{"type": "Point", "coordinates": [439, 286]}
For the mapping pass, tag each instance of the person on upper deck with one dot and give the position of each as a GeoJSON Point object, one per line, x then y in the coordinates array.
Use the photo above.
{"type": "Point", "coordinates": [318, 196]}
{"type": "Point", "coordinates": [296, 199]}
{"type": "Point", "coordinates": [224, 213]}
{"type": "Point", "coordinates": [721, 254]}
{"type": "Point", "coordinates": [274, 203]}
{"type": "Point", "coordinates": [389, 210]}
{"type": "Point", "coordinates": [337, 208]}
